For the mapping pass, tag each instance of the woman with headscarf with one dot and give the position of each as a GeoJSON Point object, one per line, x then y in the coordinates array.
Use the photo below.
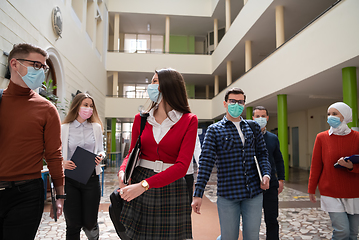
{"type": "Point", "coordinates": [338, 187]}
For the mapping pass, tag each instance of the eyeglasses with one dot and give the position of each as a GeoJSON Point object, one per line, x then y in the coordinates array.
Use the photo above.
{"type": "Point", "coordinates": [234, 101]}
{"type": "Point", "coordinates": [36, 64]}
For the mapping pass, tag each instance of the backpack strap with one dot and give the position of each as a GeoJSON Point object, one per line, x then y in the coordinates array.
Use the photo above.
{"type": "Point", "coordinates": [252, 126]}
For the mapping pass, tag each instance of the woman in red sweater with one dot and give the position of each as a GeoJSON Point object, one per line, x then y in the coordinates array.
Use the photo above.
{"type": "Point", "coordinates": [156, 204]}
{"type": "Point", "coordinates": [338, 187]}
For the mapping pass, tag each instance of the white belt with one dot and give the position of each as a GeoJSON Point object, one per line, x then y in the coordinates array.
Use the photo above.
{"type": "Point", "coordinates": [156, 166]}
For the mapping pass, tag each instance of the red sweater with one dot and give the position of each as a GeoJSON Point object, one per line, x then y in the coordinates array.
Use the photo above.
{"type": "Point", "coordinates": [29, 131]}
{"type": "Point", "coordinates": [334, 182]}
{"type": "Point", "coordinates": [176, 147]}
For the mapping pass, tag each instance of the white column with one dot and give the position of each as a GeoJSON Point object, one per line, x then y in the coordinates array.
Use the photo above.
{"type": "Point", "coordinates": [216, 85]}
{"type": "Point", "coordinates": [167, 35]}
{"type": "Point", "coordinates": [229, 73]}
{"type": "Point", "coordinates": [115, 84]}
{"type": "Point", "coordinates": [248, 55]}
{"type": "Point", "coordinates": [215, 31]}
{"type": "Point", "coordinates": [207, 91]}
{"type": "Point", "coordinates": [116, 33]}
{"type": "Point", "coordinates": [228, 14]}
{"type": "Point", "coordinates": [279, 25]}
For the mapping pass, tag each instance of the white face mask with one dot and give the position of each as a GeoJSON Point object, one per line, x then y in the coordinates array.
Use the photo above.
{"type": "Point", "coordinates": [261, 121]}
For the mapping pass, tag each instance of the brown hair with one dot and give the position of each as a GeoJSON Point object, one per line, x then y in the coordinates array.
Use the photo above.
{"type": "Point", "coordinates": [74, 110]}
{"type": "Point", "coordinates": [234, 90]}
{"type": "Point", "coordinates": [173, 89]}
{"type": "Point", "coordinates": [22, 50]}
{"type": "Point", "coordinates": [260, 108]}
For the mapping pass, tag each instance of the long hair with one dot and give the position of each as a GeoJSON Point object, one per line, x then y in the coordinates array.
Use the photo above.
{"type": "Point", "coordinates": [74, 110]}
{"type": "Point", "coordinates": [173, 89]}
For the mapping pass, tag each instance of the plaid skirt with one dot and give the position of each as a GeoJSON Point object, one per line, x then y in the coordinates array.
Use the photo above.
{"type": "Point", "coordinates": [159, 213]}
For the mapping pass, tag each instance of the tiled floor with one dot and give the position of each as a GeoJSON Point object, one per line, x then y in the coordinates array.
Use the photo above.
{"type": "Point", "coordinates": [299, 218]}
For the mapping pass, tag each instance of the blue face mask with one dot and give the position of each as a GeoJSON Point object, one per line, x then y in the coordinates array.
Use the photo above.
{"type": "Point", "coordinates": [235, 110]}
{"type": "Point", "coordinates": [34, 78]}
{"type": "Point", "coordinates": [334, 121]}
{"type": "Point", "coordinates": [154, 93]}
{"type": "Point", "coordinates": [261, 121]}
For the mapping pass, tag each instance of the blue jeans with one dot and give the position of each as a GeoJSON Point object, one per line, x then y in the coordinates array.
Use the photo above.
{"type": "Point", "coordinates": [345, 225]}
{"type": "Point", "coordinates": [230, 211]}
{"type": "Point", "coordinates": [21, 210]}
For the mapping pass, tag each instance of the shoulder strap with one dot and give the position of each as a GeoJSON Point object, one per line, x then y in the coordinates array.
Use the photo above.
{"type": "Point", "coordinates": [1, 91]}
{"type": "Point", "coordinates": [252, 126]}
{"type": "Point", "coordinates": [143, 122]}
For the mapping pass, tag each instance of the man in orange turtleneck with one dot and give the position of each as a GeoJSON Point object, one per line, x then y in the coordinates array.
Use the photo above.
{"type": "Point", "coordinates": [29, 132]}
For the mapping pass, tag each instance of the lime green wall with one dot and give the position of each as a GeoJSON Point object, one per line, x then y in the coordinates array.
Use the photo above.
{"type": "Point", "coordinates": [190, 91]}
{"type": "Point", "coordinates": [182, 44]}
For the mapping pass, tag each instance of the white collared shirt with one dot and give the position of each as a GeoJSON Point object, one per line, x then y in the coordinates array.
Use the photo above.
{"type": "Point", "coordinates": [80, 134]}
{"type": "Point", "coordinates": [160, 130]}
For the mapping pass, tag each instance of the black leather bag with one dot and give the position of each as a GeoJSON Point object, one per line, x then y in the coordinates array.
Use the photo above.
{"type": "Point", "coordinates": [135, 153]}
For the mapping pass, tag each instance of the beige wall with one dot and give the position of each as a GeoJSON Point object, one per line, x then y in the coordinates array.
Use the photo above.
{"type": "Point", "coordinates": [203, 8]}
{"type": "Point", "coordinates": [184, 63]}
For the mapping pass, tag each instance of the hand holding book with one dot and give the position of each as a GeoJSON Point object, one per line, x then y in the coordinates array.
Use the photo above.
{"type": "Point", "coordinates": [347, 162]}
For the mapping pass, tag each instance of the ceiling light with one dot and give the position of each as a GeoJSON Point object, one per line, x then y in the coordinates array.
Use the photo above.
{"type": "Point", "coordinates": [148, 27]}
{"type": "Point", "coordinates": [146, 80]}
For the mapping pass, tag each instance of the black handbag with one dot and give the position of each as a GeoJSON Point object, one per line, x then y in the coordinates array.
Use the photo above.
{"type": "Point", "coordinates": [135, 153]}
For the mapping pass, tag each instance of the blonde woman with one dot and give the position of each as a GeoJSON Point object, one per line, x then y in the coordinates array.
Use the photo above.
{"type": "Point", "coordinates": [82, 127]}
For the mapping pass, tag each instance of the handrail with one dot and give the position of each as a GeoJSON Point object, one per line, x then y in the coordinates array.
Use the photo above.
{"type": "Point", "coordinates": [156, 52]}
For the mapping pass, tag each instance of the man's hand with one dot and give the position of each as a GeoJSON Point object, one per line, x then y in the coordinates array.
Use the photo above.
{"type": "Point", "coordinates": [196, 204]}
{"type": "Point", "coordinates": [281, 186]}
{"type": "Point", "coordinates": [69, 165]}
{"type": "Point", "coordinates": [265, 183]}
{"type": "Point", "coordinates": [60, 206]}
{"type": "Point", "coordinates": [312, 198]}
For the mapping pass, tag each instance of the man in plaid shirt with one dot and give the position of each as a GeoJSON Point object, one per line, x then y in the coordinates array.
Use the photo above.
{"type": "Point", "coordinates": [231, 145]}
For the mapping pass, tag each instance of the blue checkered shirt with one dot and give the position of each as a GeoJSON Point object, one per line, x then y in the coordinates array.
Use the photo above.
{"type": "Point", "coordinates": [237, 175]}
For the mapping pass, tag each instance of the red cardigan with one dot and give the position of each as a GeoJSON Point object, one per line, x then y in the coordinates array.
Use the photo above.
{"type": "Point", "coordinates": [334, 182]}
{"type": "Point", "coordinates": [176, 147]}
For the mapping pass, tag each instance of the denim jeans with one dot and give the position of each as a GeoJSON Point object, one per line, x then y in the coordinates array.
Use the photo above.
{"type": "Point", "coordinates": [345, 225]}
{"type": "Point", "coordinates": [21, 210]}
{"type": "Point", "coordinates": [230, 211]}
{"type": "Point", "coordinates": [81, 208]}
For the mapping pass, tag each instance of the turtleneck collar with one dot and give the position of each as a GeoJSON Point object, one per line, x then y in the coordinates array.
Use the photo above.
{"type": "Point", "coordinates": [14, 89]}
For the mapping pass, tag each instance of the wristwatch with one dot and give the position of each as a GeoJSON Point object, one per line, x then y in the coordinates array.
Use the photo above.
{"type": "Point", "coordinates": [144, 184]}
{"type": "Point", "coordinates": [58, 196]}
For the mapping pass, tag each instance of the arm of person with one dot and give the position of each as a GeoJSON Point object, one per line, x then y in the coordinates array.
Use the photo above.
{"type": "Point", "coordinates": [316, 167]}
{"type": "Point", "coordinates": [99, 144]}
{"type": "Point", "coordinates": [206, 161]}
{"type": "Point", "coordinates": [53, 156]}
{"type": "Point", "coordinates": [279, 163]}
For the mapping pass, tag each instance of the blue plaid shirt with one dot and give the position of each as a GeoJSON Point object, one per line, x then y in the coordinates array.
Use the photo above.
{"type": "Point", "coordinates": [237, 172]}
